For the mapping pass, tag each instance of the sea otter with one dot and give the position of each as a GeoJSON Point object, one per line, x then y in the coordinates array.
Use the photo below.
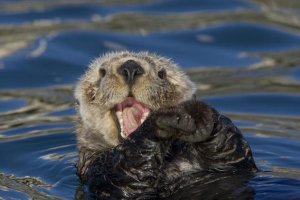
{"type": "Point", "coordinates": [142, 134]}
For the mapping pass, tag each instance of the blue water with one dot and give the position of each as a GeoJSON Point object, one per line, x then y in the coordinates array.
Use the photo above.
{"type": "Point", "coordinates": [243, 56]}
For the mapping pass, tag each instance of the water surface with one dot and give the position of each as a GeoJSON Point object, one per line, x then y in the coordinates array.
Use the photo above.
{"type": "Point", "coordinates": [243, 56]}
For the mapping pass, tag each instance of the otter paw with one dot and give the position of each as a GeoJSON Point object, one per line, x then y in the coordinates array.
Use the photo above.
{"type": "Point", "coordinates": [190, 121]}
{"type": "Point", "coordinates": [175, 123]}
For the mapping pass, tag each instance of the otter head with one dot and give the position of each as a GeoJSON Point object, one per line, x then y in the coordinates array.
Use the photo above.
{"type": "Point", "coordinates": [119, 91]}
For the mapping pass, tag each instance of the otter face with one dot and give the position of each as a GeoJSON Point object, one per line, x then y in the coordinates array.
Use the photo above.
{"type": "Point", "coordinates": [119, 91]}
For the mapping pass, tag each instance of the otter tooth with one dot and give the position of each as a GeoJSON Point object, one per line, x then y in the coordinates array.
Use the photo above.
{"type": "Point", "coordinates": [120, 118]}
{"type": "Point", "coordinates": [145, 115]}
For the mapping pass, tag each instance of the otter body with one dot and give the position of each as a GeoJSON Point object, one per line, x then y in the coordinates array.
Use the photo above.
{"type": "Point", "coordinates": [142, 135]}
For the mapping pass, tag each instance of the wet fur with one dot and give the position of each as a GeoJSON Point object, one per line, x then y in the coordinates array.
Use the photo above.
{"type": "Point", "coordinates": [181, 136]}
{"type": "Point", "coordinates": [160, 157]}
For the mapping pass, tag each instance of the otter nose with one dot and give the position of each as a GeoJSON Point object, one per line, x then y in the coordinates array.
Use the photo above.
{"type": "Point", "coordinates": [130, 70]}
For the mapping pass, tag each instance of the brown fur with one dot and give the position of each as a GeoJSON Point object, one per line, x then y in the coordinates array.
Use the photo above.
{"type": "Point", "coordinates": [97, 129]}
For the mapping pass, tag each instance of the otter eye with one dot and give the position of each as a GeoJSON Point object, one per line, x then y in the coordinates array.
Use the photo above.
{"type": "Point", "coordinates": [102, 72]}
{"type": "Point", "coordinates": [162, 74]}
{"type": "Point", "coordinates": [77, 102]}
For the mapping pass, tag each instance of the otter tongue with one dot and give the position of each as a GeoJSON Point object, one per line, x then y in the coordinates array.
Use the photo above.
{"type": "Point", "coordinates": [131, 114]}
{"type": "Point", "coordinates": [132, 118]}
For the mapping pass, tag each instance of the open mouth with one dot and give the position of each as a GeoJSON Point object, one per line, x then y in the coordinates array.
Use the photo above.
{"type": "Point", "coordinates": [131, 114]}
